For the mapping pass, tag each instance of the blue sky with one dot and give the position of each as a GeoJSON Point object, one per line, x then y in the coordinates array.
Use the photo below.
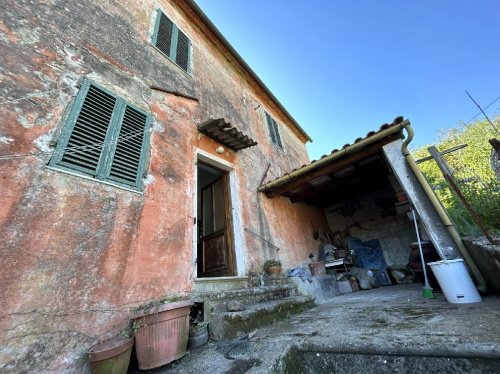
{"type": "Point", "coordinates": [344, 67]}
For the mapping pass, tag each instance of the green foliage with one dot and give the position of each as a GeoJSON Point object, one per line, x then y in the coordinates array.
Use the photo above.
{"type": "Point", "coordinates": [473, 173]}
{"type": "Point", "coordinates": [270, 263]}
{"type": "Point", "coordinates": [154, 303]}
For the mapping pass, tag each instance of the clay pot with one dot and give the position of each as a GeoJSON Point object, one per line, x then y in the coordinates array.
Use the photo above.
{"type": "Point", "coordinates": [317, 268]}
{"type": "Point", "coordinates": [111, 357]}
{"type": "Point", "coordinates": [162, 334]}
{"type": "Point", "coordinates": [273, 270]}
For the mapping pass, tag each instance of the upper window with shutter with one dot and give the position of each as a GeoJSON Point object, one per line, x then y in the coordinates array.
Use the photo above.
{"type": "Point", "coordinates": [172, 42]}
{"type": "Point", "coordinates": [105, 138]}
{"type": "Point", "coordinates": [273, 131]}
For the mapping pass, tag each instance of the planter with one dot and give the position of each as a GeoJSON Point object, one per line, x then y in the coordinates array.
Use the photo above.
{"type": "Point", "coordinates": [111, 357]}
{"type": "Point", "coordinates": [273, 270]}
{"type": "Point", "coordinates": [162, 334]}
{"type": "Point", "coordinates": [317, 268]}
{"type": "Point", "coordinates": [197, 338]}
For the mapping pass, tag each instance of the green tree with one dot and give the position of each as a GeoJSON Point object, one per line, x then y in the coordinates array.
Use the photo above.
{"type": "Point", "coordinates": [473, 172]}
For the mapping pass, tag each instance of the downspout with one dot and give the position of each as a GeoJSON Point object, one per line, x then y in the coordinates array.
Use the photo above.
{"type": "Point", "coordinates": [440, 210]}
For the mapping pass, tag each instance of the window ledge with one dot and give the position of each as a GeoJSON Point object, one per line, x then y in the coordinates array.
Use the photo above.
{"type": "Point", "coordinates": [76, 174]}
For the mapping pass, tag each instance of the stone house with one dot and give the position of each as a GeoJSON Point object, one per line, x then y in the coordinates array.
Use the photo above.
{"type": "Point", "coordinates": [137, 150]}
{"type": "Point", "coordinates": [133, 142]}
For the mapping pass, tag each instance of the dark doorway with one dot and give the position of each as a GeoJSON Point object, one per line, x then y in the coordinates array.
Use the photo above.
{"type": "Point", "coordinates": [215, 254]}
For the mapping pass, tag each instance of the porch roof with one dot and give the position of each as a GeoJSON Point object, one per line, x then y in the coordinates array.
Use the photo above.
{"type": "Point", "coordinates": [222, 131]}
{"type": "Point", "coordinates": [353, 169]}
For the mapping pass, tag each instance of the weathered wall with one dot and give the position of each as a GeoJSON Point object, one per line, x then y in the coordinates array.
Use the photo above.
{"type": "Point", "coordinates": [76, 253]}
{"type": "Point", "coordinates": [373, 216]}
{"type": "Point", "coordinates": [487, 258]}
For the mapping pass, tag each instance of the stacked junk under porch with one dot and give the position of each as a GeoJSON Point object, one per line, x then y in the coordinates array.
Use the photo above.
{"type": "Point", "coordinates": [370, 192]}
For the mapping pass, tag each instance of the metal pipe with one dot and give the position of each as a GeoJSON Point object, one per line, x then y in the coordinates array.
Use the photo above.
{"type": "Point", "coordinates": [440, 210]}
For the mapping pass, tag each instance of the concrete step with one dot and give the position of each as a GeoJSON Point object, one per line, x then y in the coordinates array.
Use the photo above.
{"type": "Point", "coordinates": [249, 295]}
{"type": "Point", "coordinates": [229, 325]}
{"type": "Point", "coordinates": [220, 284]}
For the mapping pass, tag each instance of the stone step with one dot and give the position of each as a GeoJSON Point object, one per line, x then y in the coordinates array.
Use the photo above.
{"type": "Point", "coordinates": [220, 284]}
{"type": "Point", "coordinates": [214, 300]}
{"type": "Point", "coordinates": [230, 325]}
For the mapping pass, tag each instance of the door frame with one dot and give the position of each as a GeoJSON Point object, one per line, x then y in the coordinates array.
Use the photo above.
{"type": "Point", "coordinates": [236, 229]}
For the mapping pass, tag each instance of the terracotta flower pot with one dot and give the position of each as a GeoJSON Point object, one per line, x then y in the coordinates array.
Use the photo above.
{"type": "Point", "coordinates": [111, 357]}
{"type": "Point", "coordinates": [162, 334]}
{"type": "Point", "coordinates": [274, 270]}
{"type": "Point", "coordinates": [317, 268]}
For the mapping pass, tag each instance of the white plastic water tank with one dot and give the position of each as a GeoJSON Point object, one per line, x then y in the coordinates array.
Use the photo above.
{"type": "Point", "coordinates": [455, 281]}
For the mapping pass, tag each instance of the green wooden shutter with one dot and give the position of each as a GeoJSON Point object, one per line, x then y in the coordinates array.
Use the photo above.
{"type": "Point", "coordinates": [274, 133]}
{"type": "Point", "coordinates": [83, 149]}
{"type": "Point", "coordinates": [277, 135]}
{"type": "Point", "coordinates": [104, 137]}
{"type": "Point", "coordinates": [182, 51]}
{"type": "Point", "coordinates": [162, 37]}
{"type": "Point", "coordinates": [126, 163]}
{"type": "Point", "coordinates": [270, 127]}
{"type": "Point", "coordinates": [171, 41]}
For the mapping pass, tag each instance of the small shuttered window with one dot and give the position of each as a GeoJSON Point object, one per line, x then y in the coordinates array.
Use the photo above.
{"type": "Point", "coordinates": [105, 138]}
{"type": "Point", "coordinates": [171, 41]}
{"type": "Point", "coordinates": [273, 131]}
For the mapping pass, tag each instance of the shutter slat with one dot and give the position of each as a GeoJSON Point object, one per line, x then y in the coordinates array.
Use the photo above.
{"type": "Point", "coordinates": [136, 141]}
{"type": "Point", "coordinates": [87, 139]}
{"type": "Point", "coordinates": [126, 157]}
{"type": "Point", "coordinates": [99, 101]}
{"type": "Point", "coordinates": [131, 128]}
{"type": "Point", "coordinates": [84, 157]}
{"type": "Point", "coordinates": [134, 120]}
{"type": "Point", "coordinates": [128, 151]}
{"type": "Point", "coordinates": [122, 162]}
{"type": "Point", "coordinates": [90, 133]}
{"type": "Point", "coordinates": [93, 125]}
{"type": "Point", "coordinates": [100, 115]}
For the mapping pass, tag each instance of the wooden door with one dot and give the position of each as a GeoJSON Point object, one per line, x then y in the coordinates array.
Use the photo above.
{"type": "Point", "coordinates": [214, 245]}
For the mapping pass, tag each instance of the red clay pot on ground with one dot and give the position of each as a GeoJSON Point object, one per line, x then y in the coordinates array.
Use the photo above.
{"type": "Point", "coordinates": [111, 357]}
{"type": "Point", "coordinates": [273, 270]}
{"type": "Point", "coordinates": [162, 335]}
{"type": "Point", "coordinates": [317, 268]}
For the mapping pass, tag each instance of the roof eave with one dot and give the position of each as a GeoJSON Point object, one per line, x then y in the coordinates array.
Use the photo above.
{"type": "Point", "coordinates": [192, 4]}
{"type": "Point", "coordinates": [294, 175]}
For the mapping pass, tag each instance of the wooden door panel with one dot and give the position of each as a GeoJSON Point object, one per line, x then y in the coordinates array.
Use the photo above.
{"type": "Point", "coordinates": [214, 254]}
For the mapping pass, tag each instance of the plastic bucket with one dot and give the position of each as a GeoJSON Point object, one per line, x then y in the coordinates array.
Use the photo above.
{"type": "Point", "coordinates": [455, 281]}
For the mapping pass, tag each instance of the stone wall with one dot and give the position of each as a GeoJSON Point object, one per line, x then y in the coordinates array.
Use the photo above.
{"type": "Point", "coordinates": [368, 217]}
{"type": "Point", "coordinates": [76, 254]}
{"type": "Point", "coordinates": [487, 258]}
